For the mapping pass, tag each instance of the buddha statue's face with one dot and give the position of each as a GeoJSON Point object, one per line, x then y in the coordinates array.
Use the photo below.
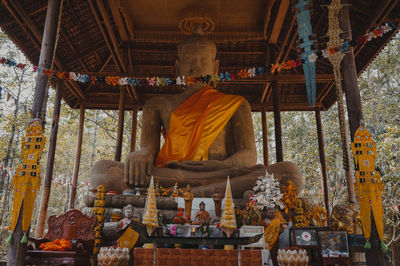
{"type": "Point", "coordinates": [196, 59]}
{"type": "Point", "coordinates": [128, 213]}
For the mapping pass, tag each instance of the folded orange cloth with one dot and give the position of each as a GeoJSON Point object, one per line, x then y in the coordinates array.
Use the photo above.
{"type": "Point", "coordinates": [56, 245]}
{"type": "Point", "coordinates": [195, 124]}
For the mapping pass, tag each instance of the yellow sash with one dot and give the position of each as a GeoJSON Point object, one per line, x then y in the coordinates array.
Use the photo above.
{"type": "Point", "coordinates": [195, 124]}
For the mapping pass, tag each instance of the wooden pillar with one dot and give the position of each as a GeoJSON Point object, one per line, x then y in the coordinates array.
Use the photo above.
{"type": "Point", "coordinates": [134, 128]}
{"type": "Point", "coordinates": [353, 99]}
{"type": "Point", "coordinates": [276, 90]}
{"type": "Point", "coordinates": [50, 162]}
{"type": "Point", "coordinates": [321, 150]}
{"type": "Point", "coordinates": [265, 136]}
{"type": "Point", "coordinates": [350, 79]}
{"type": "Point", "coordinates": [374, 256]}
{"type": "Point", "coordinates": [121, 115]}
{"type": "Point", "coordinates": [16, 252]}
{"type": "Point", "coordinates": [77, 158]}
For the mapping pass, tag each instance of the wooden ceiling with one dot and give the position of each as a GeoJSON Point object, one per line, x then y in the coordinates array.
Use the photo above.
{"type": "Point", "coordinates": [138, 38]}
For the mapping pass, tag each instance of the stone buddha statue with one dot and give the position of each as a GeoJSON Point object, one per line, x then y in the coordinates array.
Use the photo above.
{"type": "Point", "coordinates": [208, 136]}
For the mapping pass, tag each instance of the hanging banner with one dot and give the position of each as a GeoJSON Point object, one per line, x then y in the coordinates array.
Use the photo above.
{"type": "Point", "coordinates": [305, 31]}
{"type": "Point", "coordinates": [368, 184]}
{"type": "Point", "coordinates": [26, 181]}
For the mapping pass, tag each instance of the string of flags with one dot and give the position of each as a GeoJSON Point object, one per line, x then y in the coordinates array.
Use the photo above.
{"type": "Point", "coordinates": [250, 72]}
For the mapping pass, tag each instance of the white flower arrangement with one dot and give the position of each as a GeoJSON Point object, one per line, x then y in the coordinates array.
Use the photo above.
{"type": "Point", "coordinates": [268, 192]}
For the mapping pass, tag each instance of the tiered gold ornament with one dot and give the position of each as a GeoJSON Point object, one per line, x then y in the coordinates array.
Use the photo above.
{"type": "Point", "coordinates": [228, 222]}
{"type": "Point", "coordinates": [150, 218]}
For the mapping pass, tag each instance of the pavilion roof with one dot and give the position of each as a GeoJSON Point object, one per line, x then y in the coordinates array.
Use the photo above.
{"type": "Point", "coordinates": [138, 38]}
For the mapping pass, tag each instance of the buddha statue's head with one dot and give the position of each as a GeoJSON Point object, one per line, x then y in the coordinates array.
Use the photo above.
{"type": "Point", "coordinates": [202, 206]}
{"type": "Point", "coordinates": [128, 211]}
{"type": "Point", "coordinates": [196, 56]}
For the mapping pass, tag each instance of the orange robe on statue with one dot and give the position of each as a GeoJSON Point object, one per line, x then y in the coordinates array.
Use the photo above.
{"type": "Point", "coordinates": [195, 124]}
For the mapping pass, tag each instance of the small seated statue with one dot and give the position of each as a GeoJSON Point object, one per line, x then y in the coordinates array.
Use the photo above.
{"type": "Point", "coordinates": [208, 136]}
{"type": "Point", "coordinates": [128, 217]}
{"type": "Point", "coordinates": [272, 222]}
{"type": "Point", "coordinates": [202, 216]}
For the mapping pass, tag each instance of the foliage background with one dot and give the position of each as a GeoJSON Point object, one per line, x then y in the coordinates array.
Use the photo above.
{"type": "Point", "coordinates": [380, 91]}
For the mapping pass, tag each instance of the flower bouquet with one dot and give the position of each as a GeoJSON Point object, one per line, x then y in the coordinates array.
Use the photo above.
{"type": "Point", "coordinates": [251, 213]}
{"type": "Point", "coordinates": [180, 217]}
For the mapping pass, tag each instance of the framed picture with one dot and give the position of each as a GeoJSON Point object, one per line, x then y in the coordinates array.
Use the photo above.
{"type": "Point", "coordinates": [304, 237]}
{"type": "Point", "coordinates": [333, 243]}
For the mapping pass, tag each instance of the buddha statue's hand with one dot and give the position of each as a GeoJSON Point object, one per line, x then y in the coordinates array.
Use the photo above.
{"type": "Point", "coordinates": [208, 165]}
{"type": "Point", "coordinates": [138, 165]}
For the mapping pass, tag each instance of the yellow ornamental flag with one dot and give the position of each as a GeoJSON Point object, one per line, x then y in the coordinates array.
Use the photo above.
{"type": "Point", "coordinates": [26, 181]}
{"type": "Point", "coordinates": [368, 183]}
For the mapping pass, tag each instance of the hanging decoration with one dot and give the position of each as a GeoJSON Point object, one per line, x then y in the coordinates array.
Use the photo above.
{"type": "Point", "coordinates": [26, 181]}
{"type": "Point", "coordinates": [228, 221]}
{"type": "Point", "coordinates": [335, 59]}
{"type": "Point", "coordinates": [268, 193]}
{"type": "Point", "coordinates": [99, 211]}
{"type": "Point", "coordinates": [368, 184]}
{"type": "Point", "coordinates": [150, 218]}
{"type": "Point", "coordinates": [308, 59]}
{"type": "Point", "coordinates": [309, 56]}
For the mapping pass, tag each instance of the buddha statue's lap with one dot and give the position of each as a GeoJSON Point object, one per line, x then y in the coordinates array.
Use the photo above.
{"type": "Point", "coordinates": [208, 136]}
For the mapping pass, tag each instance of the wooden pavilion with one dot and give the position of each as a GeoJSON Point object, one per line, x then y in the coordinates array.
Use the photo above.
{"type": "Point", "coordinates": [139, 38]}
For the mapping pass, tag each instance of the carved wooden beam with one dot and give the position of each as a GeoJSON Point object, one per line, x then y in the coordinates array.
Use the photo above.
{"type": "Point", "coordinates": [325, 91]}
{"type": "Point", "coordinates": [285, 41]}
{"type": "Point", "coordinates": [269, 5]}
{"type": "Point", "coordinates": [266, 95]}
{"type": "Point", "coordinates": [280, 18]}
{"type": "Point", "coordinates": [115, 6]}
{"type": "Point", "coordinates": [171, 52]}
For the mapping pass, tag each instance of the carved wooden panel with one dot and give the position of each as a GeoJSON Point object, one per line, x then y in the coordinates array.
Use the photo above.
{"type": "Point", "coordinates": [70, 225]}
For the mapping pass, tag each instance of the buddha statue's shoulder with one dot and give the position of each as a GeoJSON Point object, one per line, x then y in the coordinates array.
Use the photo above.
{"type": "Point", "coordinates": [159, 101]}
